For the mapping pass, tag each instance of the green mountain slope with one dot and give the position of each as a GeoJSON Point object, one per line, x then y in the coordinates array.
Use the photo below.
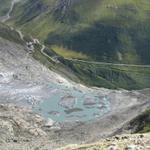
{"type": "Point", "coordinates": [101, 30]}
{"type": "Point", "coordinates": [4, 6]}
{"type": "Point", "coordinates": [90, 30]}
{"type": "Point", "coordinates": [111, 76]}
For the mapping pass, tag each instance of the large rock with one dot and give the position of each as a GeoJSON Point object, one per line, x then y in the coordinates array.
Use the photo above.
{"type": "Point", "coordinates": [132, 147]}
{"type": "Point", "coordinates": [113, 147]}
{"type": "Point", "coordinates": [89, 101]}
{"type": "Point", "coordinates": [49, 123]}
{"type": "Point", "coordinates": [67, 102]}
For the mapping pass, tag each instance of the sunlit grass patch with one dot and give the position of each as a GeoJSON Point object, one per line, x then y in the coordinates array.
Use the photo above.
{"type": "Point", "coordinates": [67, 53]}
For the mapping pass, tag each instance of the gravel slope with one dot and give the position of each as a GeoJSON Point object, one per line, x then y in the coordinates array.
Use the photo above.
{"type": "Point", "coordinates": [24, 82]}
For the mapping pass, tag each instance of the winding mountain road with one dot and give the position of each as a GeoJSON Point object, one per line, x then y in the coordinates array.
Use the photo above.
{"type": "Point", "coordinates": [20, 34]}
{"type": "Point", "coordinates": [94, 62]}
{"type": "Point", "coordinates": [104, 63]}
{"type": "Point", "coordinates": [42, 51]}
{"type": "Point", "coordinates": [7, 16]}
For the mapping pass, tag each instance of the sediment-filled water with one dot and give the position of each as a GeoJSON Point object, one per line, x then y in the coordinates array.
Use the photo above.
{"type": "Point", "coordinates": [70, 104]}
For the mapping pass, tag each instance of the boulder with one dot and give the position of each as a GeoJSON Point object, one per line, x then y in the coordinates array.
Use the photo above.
{"type": "Point", "coordinates": [49, 123]}
{"type": "Point", "coordinates": [113, 147]}
{"type": "Point", "coordinates": [131, 147]}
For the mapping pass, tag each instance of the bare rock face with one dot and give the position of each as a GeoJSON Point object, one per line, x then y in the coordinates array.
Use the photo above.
{"type": "Point", "coordinates": [21, 129]}
{"type": "Point", "coordinates": [18, 121]}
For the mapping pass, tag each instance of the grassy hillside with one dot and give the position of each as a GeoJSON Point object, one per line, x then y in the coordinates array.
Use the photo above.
{"type": "Point", "coordinates": [9, 34]}
{"type": "Point", "coordinates": [140, 124]}
{"type": "Point", "coordinates": [4, 6]}
{"type": "Point", "coordinates": [111, 76]}
{"type": "Point", "coordinates": [102, 30]}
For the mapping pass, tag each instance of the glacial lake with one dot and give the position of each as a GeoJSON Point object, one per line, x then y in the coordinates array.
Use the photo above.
{"type": "Point", "coordinates": [71, 104]}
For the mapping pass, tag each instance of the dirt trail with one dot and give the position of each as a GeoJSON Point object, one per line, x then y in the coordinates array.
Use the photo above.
{"type": "Point", "coordinates": [7, 16]}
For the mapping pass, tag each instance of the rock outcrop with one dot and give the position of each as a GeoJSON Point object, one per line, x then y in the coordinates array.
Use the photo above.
{"type": "Point", "coordinates": [122, 142]}
{"type": "Point", "coordinates": [21, 129]}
